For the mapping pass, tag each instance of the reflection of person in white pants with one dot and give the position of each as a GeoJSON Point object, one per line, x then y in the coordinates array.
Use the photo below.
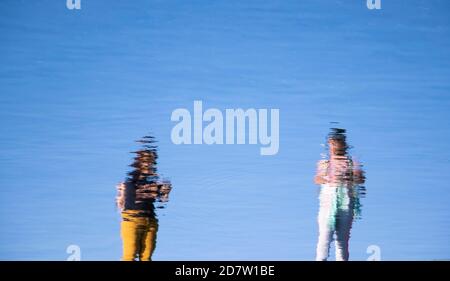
{"type": "Point", "coordinates": [339, 178]}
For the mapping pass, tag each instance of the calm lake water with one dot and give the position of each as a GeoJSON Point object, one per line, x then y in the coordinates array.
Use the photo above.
{"type": "Point", "coordinates": [78, 87]}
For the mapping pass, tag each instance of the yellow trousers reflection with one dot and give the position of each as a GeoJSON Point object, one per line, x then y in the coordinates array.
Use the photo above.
{"type": "Point", "coordinates": [138, 236]}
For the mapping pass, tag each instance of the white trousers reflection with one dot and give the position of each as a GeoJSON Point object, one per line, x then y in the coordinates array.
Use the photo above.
{"type": "Point", "coordinates": [335, 219]}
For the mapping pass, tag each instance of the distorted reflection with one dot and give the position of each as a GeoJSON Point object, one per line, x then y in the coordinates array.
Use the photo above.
{"type": "Point", "coordinates": [136, 198]}
{"type": "Point", "coordinates": [341, 179]}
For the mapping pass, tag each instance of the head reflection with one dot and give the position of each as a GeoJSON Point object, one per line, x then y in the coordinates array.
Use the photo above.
{"type": "Point", "coordinates": [341, 178]}
{"type": "Point", "coordinates": [136, 198]}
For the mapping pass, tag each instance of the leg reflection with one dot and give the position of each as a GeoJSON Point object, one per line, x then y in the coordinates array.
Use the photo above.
{"type": "Point", "coordinates": [148, 242]}
{"type": "Point", "coordinates": [325, 221]}
{"type": "Point", "coordinates": [343, 225]}
{"type": "Point", "coordinates": [138, 235]}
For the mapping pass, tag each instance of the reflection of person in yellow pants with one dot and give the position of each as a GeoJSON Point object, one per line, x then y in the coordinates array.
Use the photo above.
{"type": "Point", "coordinates": [138, 233]}
{"type": "Point", "coordinates": [136, 197]}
